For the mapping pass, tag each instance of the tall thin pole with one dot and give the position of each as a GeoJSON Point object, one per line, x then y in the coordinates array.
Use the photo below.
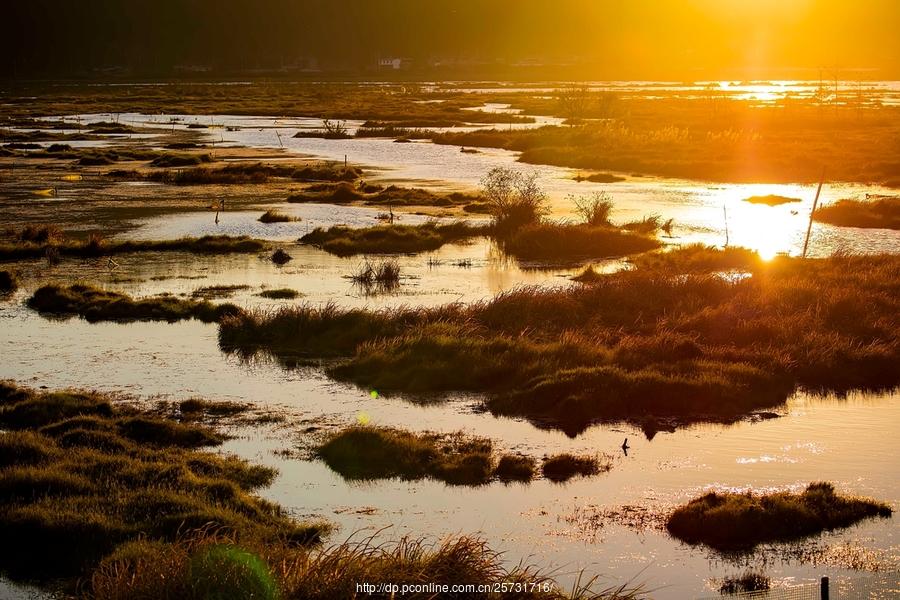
{"type": "Point", "coordinates": [812, 212]}
{"type": "Point", "coordinates": [725, 211]}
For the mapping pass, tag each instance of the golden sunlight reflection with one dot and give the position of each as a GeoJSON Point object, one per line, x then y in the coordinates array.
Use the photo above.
{"type": "Point", "coordinates": [767, 229]}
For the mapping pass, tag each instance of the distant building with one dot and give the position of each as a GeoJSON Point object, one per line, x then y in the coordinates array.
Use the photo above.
{"type": "Point", "coordinates": [393, 63]}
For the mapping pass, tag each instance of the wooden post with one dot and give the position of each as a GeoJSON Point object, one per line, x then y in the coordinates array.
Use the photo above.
{"type": "Point", "coordinates": [824, 588]}
{"type": "Point", "coordinates": [812, 212]}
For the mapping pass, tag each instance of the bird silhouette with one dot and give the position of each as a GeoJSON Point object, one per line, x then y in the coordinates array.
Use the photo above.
{"type": "Point", "coordinates": [625, 446]}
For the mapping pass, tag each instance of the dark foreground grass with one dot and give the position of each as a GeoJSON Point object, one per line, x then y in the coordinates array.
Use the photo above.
{"type": "Point", "coordinates": [882, 212]}
{"type": "Point", "coordinates": [649, 346]}
{"type": "Point", "coordinates": [213, 565]}
{"type": "Point", "coordinates": [734, 522]}
{"type": "Point", "coordinates": [80, 477]}
{"type": "Point", "coordinates": [390, 239]}
{"type": "Point", "coordinates": [93, 305]}
{"type": "Point", "coordinates": [18, 248]}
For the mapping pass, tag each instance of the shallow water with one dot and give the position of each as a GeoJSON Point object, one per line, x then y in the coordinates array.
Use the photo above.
{"type": "Point", "coordinates": [848, 441]}
{"type": "Point", "coordinates": [700, 211]}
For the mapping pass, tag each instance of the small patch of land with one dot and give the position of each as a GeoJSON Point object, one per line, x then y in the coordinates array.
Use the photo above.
{"type": "Point", "coordinates": [732, 521]}
{"type": "Point", "coordinates": [38, 242]}
{"type": "Point", "coordinates": [390, 239]}
{"type": "Point", "coordinates": [771, 200]}
{"type": "Point", "coordinates": [640, 345]}
{"type": "Point", "coordinates": [94, 305]}
{"type": "Point", "coordinates": [274, 216]}
{"type": "Point", "coordinates": [280, 294]}
{"type": "Point", "coordinates": [882, 212]}
{"type": "Point", "coordinates": [366, 452]}
{"type": "Point", "coordinates": [573, 242]}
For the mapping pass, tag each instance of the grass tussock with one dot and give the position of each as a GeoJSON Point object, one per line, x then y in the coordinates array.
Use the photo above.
{"type": "Point", "coordinates": [647, 344]}
{"type": "Point", "coordinates": [569, 242]}
{"type": "Point", "coordinates": [733, 521]}
{"type": "Point", "coordinates": [9, 283]}
{"type": "Point", "coordinates": [562, 467]}
{"type": "Point", "coordinates": [364, 453]}
{"type": "Point", "coordinates": [31, 242]}
{"type": "Point", "coordinates": [273, 216]}
{"type": "Point", "coordinates": [255, 173]}
{"type": "Point", "coordinates": [280, 294]}
{"type": "Point", "coordinates": [80, 478]}
{"type": "Point", "coordinates": [390, 239]}
{"type": "Point", "coordinates": [699, 258]}
{"type": "Point", "coordinates": [749, 581]}
{"type": "Point", "coordinates": [880, 213]}
{"type": "Point", "coordinates": [94, 305]}
{"type": "Point", "coordinates": [382, 273]}
{"type": "Point", "coordinates": [515, 467]}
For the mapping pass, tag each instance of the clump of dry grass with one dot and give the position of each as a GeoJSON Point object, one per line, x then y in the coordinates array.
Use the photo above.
{"type": "Point", "coordinates": [732, 521]}
{"type": "Point", "coordinates": [881, 212]}
{"type": "Point", "coordinates": [562, 467]}
{"type": "Point", "coordinates": [377, 276]}
{"type": "Point", "coordinates": [93, 304]}
{"type": "Point", "coordinates": [390, 239]}
{"type": "Point", "coordinates": [273, 216]}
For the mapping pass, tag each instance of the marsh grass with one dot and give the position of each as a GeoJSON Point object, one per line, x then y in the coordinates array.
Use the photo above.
{"type": "Point", "coordinates": [212, 564]}
{"type": "Point", "coordinates": [79, 477]}
{"type": "Point", "coordinates": [365, 453]}
{"type": "Point", "coordinates": [49, 239]}
{"type": "Point", "coordinates": [94, 305]}
{"type": "Point", "coordinates": [217, 291]}
{"type": "Point", "coordinates": [515, 467]}
{"type": "Point", "coordinates": [699, 258]}
{"type": "Point", "coordinates": [280, 257]}
{"type": "Point", "coordinates": [250, 173]}
{"type": "Point", "coordinates": [648, 345]}
{"type": "Point", "coordinates": [383, 274]}
{"type": "Point", "coordinates": [280, 294]}
{"type": "Point", "coordinates": [570, 242]}
{"type": "Point", "coordinates": [273, 216]}
{"type": "Point", "coordinates": [390, 239]}
{"type": "Point", "coordinates": [749, 581]}
{"type": "Point", "coordinates": [882, 212]}
{"type": "Point", "coordinates": [740, 522]}
{"type": "Point", "coordinates": [563, 467]}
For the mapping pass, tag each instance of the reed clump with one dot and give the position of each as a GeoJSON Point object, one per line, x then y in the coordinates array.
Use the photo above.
{"type": "Point", "coordinates": [94, 305]}
{"type": "Point", "coordinates": [563, 467]}
{"type": "Point", "coordinates": [390, 239]}
{"type": "Point", "coordinates": [740, 522]}
{"type": "Point", "coordinates": [882, 212]}
{"type": "Point", "coordinates": [274, 216]}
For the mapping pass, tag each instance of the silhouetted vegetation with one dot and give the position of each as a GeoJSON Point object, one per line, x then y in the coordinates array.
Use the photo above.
{"type": "Point", "coordinates": [882, 212]}
{"type": "Point", "coordinates": [280, 257]}
{"type": "Point", "coordinates": [390, 239]}
{"type": "Point", "coordinates": [381, 453]}
{"type": "Point", "coordinates": [515, 467]}
{"type": "Point", "coordinates": [93, 305]}
{"type": "Point", "coordinates": [280, 294]}
{"type": "Point", "coordinates": [733, 521]}
{"type": "Point", "coordinates": [8, 282]}
{"type": "Point", "coordinates": [562, 467]}
{"type": "Point", "coordinates": [698, 258]}
{"type": "Point", "coordinates": [631, 345]}
{"type": "Point", "coordinates": [273, 216]}
{"type": "Point", "coordinates": [377, 276]}
{"type": "Point", "coordinates": [749, 581]}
